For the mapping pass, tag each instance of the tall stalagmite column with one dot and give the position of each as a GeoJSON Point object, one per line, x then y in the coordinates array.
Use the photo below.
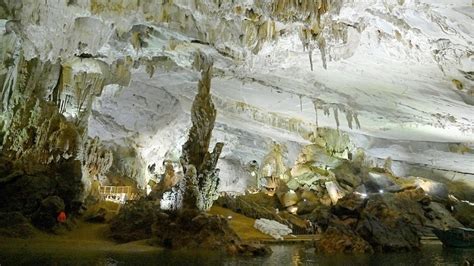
{"type": "Point", "coordinates": [201, 175]}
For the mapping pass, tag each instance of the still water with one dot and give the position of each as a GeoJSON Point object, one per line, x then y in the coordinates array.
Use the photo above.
{"type": "Point", "coordinates": [431, 254]}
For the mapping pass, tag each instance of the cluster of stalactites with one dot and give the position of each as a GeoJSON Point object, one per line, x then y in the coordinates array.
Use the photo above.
{"type": "Point", "coordinates": [34, 130]}
{"type": "Point", "coordinates": [351, 116]}
{"type": "Point", "coordinates": [74, 95]}
{"type": "Point", "coordinates": [258, 28]}
{"type": "Point", "coordinates": [303, 10]}
{"type": "Point", "coordinates": [96, 159]}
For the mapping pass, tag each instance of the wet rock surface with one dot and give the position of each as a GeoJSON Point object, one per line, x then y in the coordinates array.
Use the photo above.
{"type": "Point", "coordinates": [464, 213]}
{"type": "Point", "coordinates": [46, 215]}
{"type": "Point", "coordinates": [14, 224]}
{"type": "Point", "coordinates": [40, 195]}
{"type": "Point", "coordinates": [185, 229]}
{"type": "Point", "coordinates": [261, 205]}
{"type": "Point", "coordinates": [386, 221]}
{"type": "Point", "coordinates": [385, 228]}
{"type": "Point", "coordinates": [392, 217]}
{"type": "Point", "coordinates": [192, 229]}
{"type": "Point", "coordinates": [339, 239]}
{"type": "Point", "coordinates": [134, 221]}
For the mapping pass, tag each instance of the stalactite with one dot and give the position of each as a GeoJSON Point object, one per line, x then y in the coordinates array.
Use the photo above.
{"type": "Point", "coordinates": [326, 110]}
{"type": "Point", "coordinates": [349, 116]}
{"type": "Point", "coordinates": [356, 119]}
{"type": "Point", "coordinates": [316, 107]}
{"type": "Point", "coordinates": [10, 53]}
{"type": "Point", "coordinates": [336, 116]}
{"type": "Point", "coordinates": [85, 87]}
{"type": "Point", "coordinates": [96, 159]}
{"type": "Point", "coordinates": [322, 49]}
{"type": "Point", "coordinates": [316, 116]}
{"type": "Point", "coordinates": [301, 102]}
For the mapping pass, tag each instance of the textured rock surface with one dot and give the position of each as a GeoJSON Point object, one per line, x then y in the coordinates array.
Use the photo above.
{"type": "Point", "coordinates": [24, 192]}
{"type": "Point", "coordinates": [395, 75]}
{"type": "Point", "coordinates": [385, 228]}
{"type": "Point", "coordinates": [342, 240]}
{"type": "Point", "coordinates": [46, 215]}
{"type": "Point", "coordinates": [464, 212]}
{"type": "Point", "coordinates": [202, 184]}
{"type": "Point", "coordinates": [134, 221]}
{"type": "Point", "coordinates": [186, 229]}
{"type": "Point", "coordinates": [194, 229]}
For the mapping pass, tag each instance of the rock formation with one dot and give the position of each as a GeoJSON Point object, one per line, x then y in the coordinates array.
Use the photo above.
{"type": "Point", "coordinates": [200, 173]}
{"type": "Point", "coordinates": [45, 108]}
{"type": "Point", "coordinates": [96, 92]}
{"type": "Point", "coordinates": [189, 228]}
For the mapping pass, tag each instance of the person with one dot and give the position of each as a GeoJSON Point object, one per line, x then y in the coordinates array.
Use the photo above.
{"type": "Point", "coordinates": [62, 217]}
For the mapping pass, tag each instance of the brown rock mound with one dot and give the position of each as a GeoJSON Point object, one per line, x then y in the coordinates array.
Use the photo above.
{"type": "Point", "coordinates": [188, 228]}
{"type": "Point", "coordinates": [338, 239]}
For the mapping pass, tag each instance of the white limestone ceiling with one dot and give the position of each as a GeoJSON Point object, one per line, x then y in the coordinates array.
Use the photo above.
{"type": "Point", "coordinates": [403, 68]}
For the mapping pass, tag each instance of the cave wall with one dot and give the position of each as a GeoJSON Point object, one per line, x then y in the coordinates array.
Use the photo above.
{"type": "Point", "coordinates": [282, 69]}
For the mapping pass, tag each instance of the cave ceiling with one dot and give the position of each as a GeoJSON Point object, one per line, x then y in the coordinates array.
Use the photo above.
{"type": "Point", "coordinates": [398, 76]}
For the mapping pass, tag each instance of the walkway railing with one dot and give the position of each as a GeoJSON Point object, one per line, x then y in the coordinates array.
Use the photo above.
{"type": "Point", "coordinates": [117, 194]}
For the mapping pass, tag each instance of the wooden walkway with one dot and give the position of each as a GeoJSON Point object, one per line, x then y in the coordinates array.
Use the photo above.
{"type": "Point", "coordinates": [291, 239]}
{"type": "Point", "coordinates": [117, 194]}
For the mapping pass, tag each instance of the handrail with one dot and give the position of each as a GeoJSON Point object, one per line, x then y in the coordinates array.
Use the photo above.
{"type": "Point", "coordinates": [118, 194]}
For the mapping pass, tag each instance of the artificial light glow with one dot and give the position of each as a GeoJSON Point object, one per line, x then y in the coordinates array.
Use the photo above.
{"type": "Point", "coordinates": [381, 191]}
{"type": "Point", "coordinates": [292, 209]}
{"type": "Point", "coordinates": [362, 195]}
{"type": "Point", "coordinates": [468, 202]}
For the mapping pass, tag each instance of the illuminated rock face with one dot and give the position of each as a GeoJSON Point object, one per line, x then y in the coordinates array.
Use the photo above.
{"type": "Point", "coordinates": [200, 172]}
{"type": "Point", "coordinates": [395, 76]}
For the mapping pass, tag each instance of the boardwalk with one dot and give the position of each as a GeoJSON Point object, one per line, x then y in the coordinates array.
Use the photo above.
{"type": "Point", "coordinates": [117, 194]}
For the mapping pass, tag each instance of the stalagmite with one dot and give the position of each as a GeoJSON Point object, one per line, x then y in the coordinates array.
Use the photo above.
{"type": "Point", "coordinates": [202, 182]}
{"type": "Point", "coordinates": [273, 163]}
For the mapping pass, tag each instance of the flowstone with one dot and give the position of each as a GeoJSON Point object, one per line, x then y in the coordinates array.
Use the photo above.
{"type": "Point", "coordinates": [272, 228]}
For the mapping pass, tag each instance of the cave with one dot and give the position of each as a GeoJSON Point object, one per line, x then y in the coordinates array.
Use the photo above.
{"type": "Point", "coordinates": [315, 132]}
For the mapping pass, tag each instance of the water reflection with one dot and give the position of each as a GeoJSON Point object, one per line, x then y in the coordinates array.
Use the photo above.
{"type": "Point", "coordinates": [431, 254]}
